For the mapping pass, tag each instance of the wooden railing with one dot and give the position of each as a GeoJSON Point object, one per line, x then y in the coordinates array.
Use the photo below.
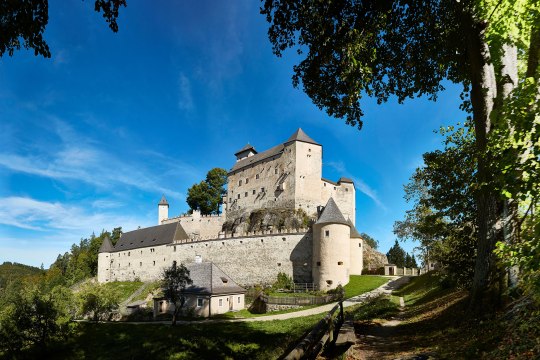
{"type": "Point", "coordinates": [299, 300]}
{"type": "Point", "coordinates": [323, 334]}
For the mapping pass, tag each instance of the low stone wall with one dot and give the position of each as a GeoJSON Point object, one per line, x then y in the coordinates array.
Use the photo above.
{"type": "Point", "coordinates": [277, 307]}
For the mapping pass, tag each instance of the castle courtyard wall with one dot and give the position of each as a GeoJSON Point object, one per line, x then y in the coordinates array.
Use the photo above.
{"type": "Point", "coordinates": [248, 260]}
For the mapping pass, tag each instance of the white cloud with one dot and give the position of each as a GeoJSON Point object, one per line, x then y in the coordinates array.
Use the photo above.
{"type": "Point", "coordinates": [185, 98]}
{"type": "Point", "coordinates": [78, 159]}
{"type": "Point", "coordinates": [32, 214]}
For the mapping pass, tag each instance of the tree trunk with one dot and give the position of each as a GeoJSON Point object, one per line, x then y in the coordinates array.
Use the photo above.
{"type": "Point", "coordinates": [483, 94]}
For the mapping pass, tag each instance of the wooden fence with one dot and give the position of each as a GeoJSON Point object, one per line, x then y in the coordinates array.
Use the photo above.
{"type": "Point", "coordinates": [299, 300]}
{"type": "Point", "coordinates": [323, 334]}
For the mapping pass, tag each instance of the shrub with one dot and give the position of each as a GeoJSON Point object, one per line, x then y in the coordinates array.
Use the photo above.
{"type": "Point", "coordinates": [283, 281]}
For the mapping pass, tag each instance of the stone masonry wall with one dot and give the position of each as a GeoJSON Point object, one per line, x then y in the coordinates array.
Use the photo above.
{"type": "Point", "coordinates": [247, 260]}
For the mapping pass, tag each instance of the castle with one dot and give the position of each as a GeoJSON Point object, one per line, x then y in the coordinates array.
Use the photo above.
{"type": "Point", "coordinates": [279, 215]}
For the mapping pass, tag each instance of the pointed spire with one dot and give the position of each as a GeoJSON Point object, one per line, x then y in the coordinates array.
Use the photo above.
{"type": "Point", "coordinates": [300, 135]}
{"type": "Point", "coordinates": [106, 246]}
{"type": "Point", "coordinates": [163, 201]}
{"type": "Point", "coordinates": [331, 214]}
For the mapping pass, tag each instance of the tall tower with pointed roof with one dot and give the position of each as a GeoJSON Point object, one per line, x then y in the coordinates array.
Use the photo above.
{"type": "Point", "coordinates": [104, 260]}
{"type": "Point", "coordinates": [163, 210]}
{"type": "Point", "coordinates": [331, 248]}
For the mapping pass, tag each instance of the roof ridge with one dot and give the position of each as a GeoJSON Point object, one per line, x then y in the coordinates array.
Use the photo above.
{"type": "Point", "coordinates": [300, 135]}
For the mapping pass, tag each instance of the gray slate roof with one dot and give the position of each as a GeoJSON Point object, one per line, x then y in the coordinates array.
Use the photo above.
{"type": "Point", "coordinates": [276, 150]}
{"type": "Point", "coordinates": [331, 214]}
{"type": "Point", "coordinates": [246, 148]}
{"type": "Point", "coordinates": [354, 233]}
{"type": "Point", "coordinates": [300, 135]}
{"type": "Point", "coordinates": [163, 201]}
{"type": "Point", "coordinates": [344, 179]}
{"type": "Point", "coordinates": [209, 279]}
{"type": "Point", "coordinates": [151, 236]}
{"type": "Point", "coordinates": [106, 245]}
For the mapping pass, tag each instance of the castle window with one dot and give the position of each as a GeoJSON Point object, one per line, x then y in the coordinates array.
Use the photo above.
{"type": "Point", "coordinates": [200, 302]}
{"type": "Point", "coordinates": [140, 264]}
{"type": "Point", "coordinates": [283, 239]}
{"type": "Point", "coordinates": [220, 302]}
{"type": "Point", "coordinates": [154, 262]}
{"type": "Point", "coordinates": [326, 233]}
{"type": "Point", "coordinates": [329, 282]}
{"type": "Point", "coordinates": [129, 264]}
{"type": "Point", "coordinates": [239, 299]}
{"type": "Point", "coordinates": [245, 194]}
{"type": "Point", "coordinates": [253, 192]}
{"type": "Point", "coordinates": [340, 262]}
{"type": "Point", "coordinates": [247, 180]}
{"type": "Point", "coordinates": [174, 263]}
{"type": "Point", "coordinates": [346, 189]}
{"type": "Point", "coordinates": [262, 240]}
{"type": "Point", "coordinates": [262, 189]}
{"type": "Point", "coordinates": [278, 264]}
{"type": "Point", "coordinates": [129, 253]}
{"type": "Point", "coordinates": [276, 171]}
{"type": "Point", "coordinates": [334, 188]}
{"type": "Point", "coordinates": [318, 263]}
{"type": "Point", "coordinates": [174, 247]}
{"type": "Point", "coordinates": [257, 176]}
{"type": "Point", "coordinates": [230, 199]}
{"type": "Point", "coordinates": [309, 150]}
{"type": "Point", "coordinates": [239, 182]}
{"type": "Point", "coordinates": [324, 184]}
{"type": "Point", "coordinates": [238, 196]}
{"type": "Point", "coordinates": [359, 244]}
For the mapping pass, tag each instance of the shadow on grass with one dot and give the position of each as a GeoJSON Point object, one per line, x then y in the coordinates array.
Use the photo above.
{"type": "Point", "coordinates": [250, 340]}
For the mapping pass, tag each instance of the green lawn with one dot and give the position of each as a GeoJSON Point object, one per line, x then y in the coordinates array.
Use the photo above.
{"type": "Point", "coordinates": [124, 289]}
{"type": "Point", "coordinates": [359, 284]}
{"type": "Point", "coordinates": [244, 313]}
{"type": "Point", "coordinates": [250, 340]}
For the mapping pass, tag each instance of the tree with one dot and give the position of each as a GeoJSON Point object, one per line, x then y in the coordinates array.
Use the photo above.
{"type": "Point", "coordinates": [175, 279]}
{"type": "Point", "coordinates": [374, 244]}
{"type": "Point", "coordinates": [115, 235]}
{"type": "Point", "coordinates": [207, 195]}
{"type": "Point", "coordinates": [396, 255]}
{"type": "Point", "coordinates": [443, 217]}
{"type": "Point", "coordinates": [97, 301]}
{"type": "Point", "coordinates": [23, 23]}
{"type": "Point", "coordinates": [406, 49]}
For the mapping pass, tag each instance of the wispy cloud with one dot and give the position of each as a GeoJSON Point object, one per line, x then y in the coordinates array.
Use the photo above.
{"type": "Point", "coordinates": [78, 159]}
{"type": "Point", "coordinates": [185, 98]}
{"type": "Point", "coordinates": [31, 214]}
{"type": "Point", "coordinates": [362, 186]}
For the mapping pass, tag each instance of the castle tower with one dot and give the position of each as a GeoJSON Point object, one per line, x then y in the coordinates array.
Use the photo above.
{"type": "Point", "coordinates": [357, 251]}
{"type": "Point", "coordinates": [331, 248]}
{"type": "Point", "coordinates": [163, 210]}
{"type": "Point", "coordinates": [105, 260]}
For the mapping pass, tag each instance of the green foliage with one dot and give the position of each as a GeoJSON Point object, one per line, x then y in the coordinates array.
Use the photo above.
{"type": "Point", "coordinates": [396, 255]}
{"type": "Point", "coordinates": [175, 279]}
{"type": "Point", "coordinates": [444, 214]}
{"type": "Point", "coordinates": [374, 244]}
{"type": "Point", "coordinates": [382, 307]}
{"type": "Point", "coordinates": [206, 196]}
{"type": "Point", "coordinates": [97, 301]}
{"type": "Point", "coordinates": [283, 281]}
{"type": "Point", "coordinates": [26, 20]}
{"type": "Point", "coordinates": [35, 318]}
{"type": "Point", "coordinates": [15, 272]}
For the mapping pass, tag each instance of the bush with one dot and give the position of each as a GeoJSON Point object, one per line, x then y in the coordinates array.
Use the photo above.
{"type": "Point", "coordinates": [284, 281]}
{"type": "Point", "coordinates": [97, 301]}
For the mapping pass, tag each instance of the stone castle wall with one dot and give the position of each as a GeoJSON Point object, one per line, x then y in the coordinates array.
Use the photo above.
{"type": "Point", "coordinates": [199, 226]}
{"type": "Point", "coordinates": [248, 260]}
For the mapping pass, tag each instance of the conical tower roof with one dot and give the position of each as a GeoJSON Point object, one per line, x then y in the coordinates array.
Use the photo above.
{"type": "Point", "coordinates": [300, 135]}
{"type": "Point", "coordinates": [163, 201]}
{"type": "Point", "coordinates": [106, 246]}
{"type": "Point", "coordinates": [331, 214]}
{"type": "Point", "coordinates": [354, 233]}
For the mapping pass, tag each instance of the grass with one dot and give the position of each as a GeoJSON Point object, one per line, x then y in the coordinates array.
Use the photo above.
{"type": "Point", "coordinates": [250, 340]}
{"type": "Point", "coordinates": [359, 284]}
{"type": "Point", "coordinates": [149, 288]}
{"type": "Point", "coordinates": [124, 289]}
{"type": "Point", "coordinates": [435, 320]}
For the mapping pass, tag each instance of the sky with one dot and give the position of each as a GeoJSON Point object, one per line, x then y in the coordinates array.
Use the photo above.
{"type": "Point", "coordinates": [91, 138]}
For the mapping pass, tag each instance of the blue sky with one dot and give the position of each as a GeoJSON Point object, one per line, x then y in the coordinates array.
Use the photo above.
{"type": "Point", "coordinates": [92, 137]}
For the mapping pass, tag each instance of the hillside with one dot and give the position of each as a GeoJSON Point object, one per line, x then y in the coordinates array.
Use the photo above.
{"type": "Point", "coordinates": [14, 271]}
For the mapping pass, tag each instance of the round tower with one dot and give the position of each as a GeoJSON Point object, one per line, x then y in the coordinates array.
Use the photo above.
{"type": "Point", "coordinates": [357, 251]}
{"type": "Point", "coordinates": [163, 210]}
{"type": "Point", "coordinates": [105, 260]}
{"type": "Point", "coordinates": [331, 248]}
